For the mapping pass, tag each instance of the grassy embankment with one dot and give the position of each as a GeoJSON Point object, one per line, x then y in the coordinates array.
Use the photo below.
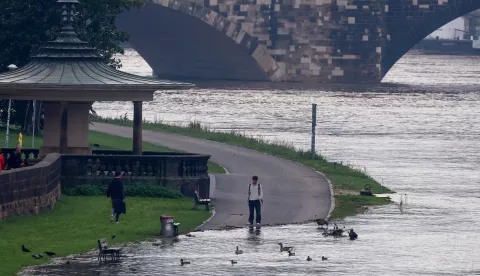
{"type": "Point", "coordinates": [346, 180]}
{"type": "Point", "coordinates": [75, 224]}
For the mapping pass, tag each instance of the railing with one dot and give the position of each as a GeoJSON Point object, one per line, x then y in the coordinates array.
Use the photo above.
{"type": "Point", "coordinates": [28, 154]}
{"type": "Point", "coordinates": [182, 171]}
{"type": "Point", "coordinates": [28, 190]}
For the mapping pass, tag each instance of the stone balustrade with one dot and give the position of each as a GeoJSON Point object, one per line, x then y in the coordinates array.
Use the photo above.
{"type": "Point", "coordinates": [28, 154]}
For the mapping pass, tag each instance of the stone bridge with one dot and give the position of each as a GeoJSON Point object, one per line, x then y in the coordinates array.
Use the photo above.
{"type": "Point", "coordinates": [320, 41]}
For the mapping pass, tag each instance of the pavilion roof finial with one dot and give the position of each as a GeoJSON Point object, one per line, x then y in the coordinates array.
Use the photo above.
{"type": "Point", "coordinates": [68, 18]}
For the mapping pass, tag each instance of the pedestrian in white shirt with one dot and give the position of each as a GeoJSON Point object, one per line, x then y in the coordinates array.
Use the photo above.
{"type": "Point", "coordinates": [255, 201]}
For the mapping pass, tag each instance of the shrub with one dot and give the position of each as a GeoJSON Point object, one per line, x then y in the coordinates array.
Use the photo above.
{"type": "Point", "coordinates": [141, 190]}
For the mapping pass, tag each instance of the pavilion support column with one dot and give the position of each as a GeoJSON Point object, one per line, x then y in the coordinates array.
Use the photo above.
{"type": "Point", "coordinates": [64, 128]}
{"type": "Point", "coordinates": [51, 128]}
{"type": "Point", "coordinates": [77, 130]}
{"type": "Point", "coordinates": [137, 128]}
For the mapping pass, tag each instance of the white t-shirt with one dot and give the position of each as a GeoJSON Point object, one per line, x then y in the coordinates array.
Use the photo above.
{"type": "Point", "coordinates": [255, 192]}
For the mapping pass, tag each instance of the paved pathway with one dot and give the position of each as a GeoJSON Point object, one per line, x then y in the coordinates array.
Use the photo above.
{"type": "Point", "coordinates": [292, 193]}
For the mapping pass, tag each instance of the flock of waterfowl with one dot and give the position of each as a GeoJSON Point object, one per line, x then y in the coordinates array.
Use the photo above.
{"type": "Point", "coordinates": [335, 232]}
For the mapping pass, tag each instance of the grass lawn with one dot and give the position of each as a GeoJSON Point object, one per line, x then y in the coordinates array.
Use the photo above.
{"type": "Point", "coordinates": [343, 177]}
{"type": "Point", "coordinates": [76, 223]}
{"type": "Point", "coordinates": [104, 140]}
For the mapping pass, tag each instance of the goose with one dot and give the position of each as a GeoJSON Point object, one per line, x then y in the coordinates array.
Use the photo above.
{"type": "Point", "coordinates": [233, 262]}
{"type": "Point", "coordinates": [238, 251]}
{"type": "Point", "coordinates": [182, 262]}
{"type": "Point", "coordinates": [324, 258]}
{"type": "Point", "coordinates": [352, 235]}
{"type": "Point", "coordinates": [322, 222]}
{"type": "Point", "coordinates": [309, 259]}
{"type": "Point", "coordinates": [284, 248]}
{"type": "Point", "coordinates": [290, 253]}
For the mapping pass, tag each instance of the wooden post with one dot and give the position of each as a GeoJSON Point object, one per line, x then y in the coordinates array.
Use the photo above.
{"type": "Point", "coordinates": [314, 124]}
{"type": "Point", "coordinates": [137, 128]}
{"type": "Point", "coordinates": [63, 128]}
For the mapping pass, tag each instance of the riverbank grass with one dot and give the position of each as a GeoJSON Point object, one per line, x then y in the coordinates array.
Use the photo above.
{"type": "Point", "coordinates": [345, 178]}
{"type": "Point", "coordinates": [76, 223]}
{"type": "Point", "coordinates": [99, 140]}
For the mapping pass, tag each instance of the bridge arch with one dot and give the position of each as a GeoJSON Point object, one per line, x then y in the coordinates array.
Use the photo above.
{"type": "Point", "coordinates": [406, 24]}
{"type": "Point", "coordinates": [183, 39]}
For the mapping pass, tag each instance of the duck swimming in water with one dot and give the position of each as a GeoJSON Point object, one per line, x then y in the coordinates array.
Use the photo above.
{"type": "Point", "coordinates": [285, 248]}
{"type": "Point", "coordinates": [233, 262]}
{"type": "Point", "coordinates": [352, 235]}
{"type": "Point", "coordinates": [182, 262]}
{"type": "Point", "coordinates": [324, 258]}
{"type": "Point", "coordinates": [238, 251]}
{"type": "Point", "coordinates": [290, 253]}
{"type": "Point", "coordinates": [309, 259]}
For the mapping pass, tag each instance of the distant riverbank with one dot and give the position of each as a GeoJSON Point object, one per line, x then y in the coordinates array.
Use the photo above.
{"type": "Point", "coordinates": [346, 180]}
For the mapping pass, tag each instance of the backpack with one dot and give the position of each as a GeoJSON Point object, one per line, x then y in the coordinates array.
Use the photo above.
{"type": "Point", "coordinates": [249, 192]}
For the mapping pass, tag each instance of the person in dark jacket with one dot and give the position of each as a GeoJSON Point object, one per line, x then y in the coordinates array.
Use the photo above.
{"type": "Point", "coordinates": [116, 193]}
{"type": "Point", "coordinates": [15, 159]}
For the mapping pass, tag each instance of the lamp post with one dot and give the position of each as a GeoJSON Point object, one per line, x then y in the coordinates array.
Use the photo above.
{"type": "Point", "coordinates": [10, 67]}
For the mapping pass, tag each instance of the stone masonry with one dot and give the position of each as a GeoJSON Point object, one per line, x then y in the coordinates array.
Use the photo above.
{"type": "Point", "coordinates": [323, 40]}
{"type": "Point", "coordinates": [32, 189]}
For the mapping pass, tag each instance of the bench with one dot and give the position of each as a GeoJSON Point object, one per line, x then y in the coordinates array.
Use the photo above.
{"type": "Point", "coordinates": [104, 250]}
{"type": "Point", "coordinates": [199, 201]}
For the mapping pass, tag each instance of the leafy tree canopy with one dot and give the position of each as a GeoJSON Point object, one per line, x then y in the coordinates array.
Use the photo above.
{"type": "Point", "coordinates": [26, 25]}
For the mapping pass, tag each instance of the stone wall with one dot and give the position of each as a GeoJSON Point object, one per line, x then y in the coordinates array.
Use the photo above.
{"type": "Point", "coordinates": [299, 40]}
{"type": "Point", "coordinates": [32, 189]}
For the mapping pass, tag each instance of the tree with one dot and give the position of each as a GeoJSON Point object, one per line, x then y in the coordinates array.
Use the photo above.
{"type": "Point", "coordinates": [26, 25]}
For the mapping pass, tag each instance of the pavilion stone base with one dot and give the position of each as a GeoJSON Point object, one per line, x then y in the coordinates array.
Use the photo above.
{"type": "Point", "coordinates": [73, 130]}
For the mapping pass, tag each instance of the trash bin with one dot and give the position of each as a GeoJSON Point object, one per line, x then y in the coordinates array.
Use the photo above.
{"type": "Point", "coordinates": [167, 226]}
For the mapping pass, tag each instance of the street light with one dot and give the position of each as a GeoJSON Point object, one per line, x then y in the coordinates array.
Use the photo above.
{"type": "Point", "coordinates": [10, 67]}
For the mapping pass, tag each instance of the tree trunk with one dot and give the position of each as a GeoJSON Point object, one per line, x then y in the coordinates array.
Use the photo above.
{"type": "Point", "coordinates": [27, 121]}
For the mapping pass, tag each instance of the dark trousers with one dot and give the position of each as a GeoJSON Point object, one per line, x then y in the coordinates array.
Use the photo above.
{"type": "Point", "coordinates": [255, 204]}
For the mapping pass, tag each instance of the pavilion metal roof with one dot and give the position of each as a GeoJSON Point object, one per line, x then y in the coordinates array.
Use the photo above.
{"type": "Point", "coordinates": [70, 64]}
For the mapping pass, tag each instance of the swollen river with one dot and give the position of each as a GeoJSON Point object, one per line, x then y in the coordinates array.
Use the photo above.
{"type": "Point", "coordinates": [417, 133]}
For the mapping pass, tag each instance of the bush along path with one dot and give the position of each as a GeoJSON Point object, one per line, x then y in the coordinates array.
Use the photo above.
{"type": "Point", "coordinates": [346, 180]}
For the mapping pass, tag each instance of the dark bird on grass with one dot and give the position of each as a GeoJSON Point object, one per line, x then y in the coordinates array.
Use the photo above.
{"type": "Point", "coordinates": [309, 259]}
{"type": "Point", "coordinates": [35, 257]}
{"type": "Point", "coordinates": [238, 251]}
{"type": "Point", "coordinates": [182, 262]}
{"type": "Point", "coordinates": [321, 222]}
{"type": "Point", "coordinates": [24, 249]}
{"type": "Point", "coordinates": [40, 255]}
{"type": "Point", "coordinates": [233, 262]}
{"type": "Point", "coordinates": [50, 254]}
{"type": "Point", "coordinates": [114, 236]}
{"type": "Point", "coordinates": [290, 253]}
{"type": "Point", "coordinates": [285, 248]}
{"type": "Point", "coordinates": [352, 235]}
{"type": "Point", "coordinates": [96, 145]}
{"type": "Point", "coordinates": [324, 258]}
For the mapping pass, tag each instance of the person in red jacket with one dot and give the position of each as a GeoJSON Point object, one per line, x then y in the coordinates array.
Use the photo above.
{"type": "Point", "coordinates": [2, 161]}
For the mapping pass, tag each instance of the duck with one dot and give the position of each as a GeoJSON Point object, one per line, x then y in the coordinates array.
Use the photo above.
{"type": "Point", "coordinates": [352, 235]}
{"type": "Point", "coordinates": [321, 222]}
{"type": "Point", "coordinates": [156, 243]}
{"type": "Point", "coordinates": [290, 253]}
{"type": "Point", "coordinates": [309, 259]}
{"type": "Point", "coordinates": [233, 262]}
{"type": "Point", "coordinates": [182, 262]}
{"type": "Point", "coordinates": [238, 251]}
{"type": "Point", "coordinates": [324, 258]}
{"type": "Point", "coordinates": [284, 248]}
{"type": "Point", "coordinates": [190, 235]}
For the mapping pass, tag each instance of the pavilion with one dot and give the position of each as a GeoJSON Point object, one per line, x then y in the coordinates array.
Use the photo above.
{"type": "Point", "coordinates": [68, 75]}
